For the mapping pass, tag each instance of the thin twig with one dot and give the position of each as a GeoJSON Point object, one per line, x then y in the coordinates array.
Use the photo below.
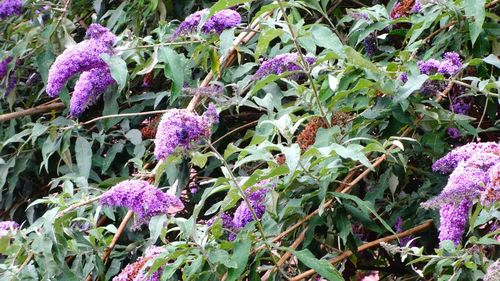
{"type": "Point", "coordinates": [427, 224]}
{"type": "Point", "coordinates": [31, 111]}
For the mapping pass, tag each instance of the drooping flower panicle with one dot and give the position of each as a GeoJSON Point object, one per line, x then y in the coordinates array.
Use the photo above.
{"type": "Point", "coordinates": [279, 64]}
{"type": "Point", "coordinates": [474, 174]}
{"type": "Point", "coordinates": [84, 56]}
{"type": "Point", "coordinates": [181, 129]}
{"type": "Point", "coordinates": [217, 23]}
{"type": "Point", "coordinates": [143, 198]}
{"type": "Point", "coordinates": [10, 8]}
{"type": "Point", "coordinates": [88, 88]}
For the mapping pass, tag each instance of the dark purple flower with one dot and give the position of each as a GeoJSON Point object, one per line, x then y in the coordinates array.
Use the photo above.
{"type": "Point", "coordinates": [10, 7]}
{"type": "Point", "coordinates": [403, 77]}
{"type": "Point", "coordinates": [279, 64]}
{"type": "Point", "coordinates": [399, 228]}
{"type": "Point", "coordinates": [88, 88]}
{"type": "Point", "coordinates": [454, 133]}
{"type": "Point", "coordinates": [7, 227]}
{"type": "Point", "coordinates": [181, 129]}
{"type": "Point", "coordinates": [84, 56]}
{"type": "Point", "coordinates": [4, 67]}
{"type": "Point", "coordinates": [370, 43]}
{"type": "Point", "coordinates": [143, 198]}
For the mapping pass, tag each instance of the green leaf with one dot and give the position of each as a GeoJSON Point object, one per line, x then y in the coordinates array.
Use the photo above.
{"type": "Point", "coordinates": [174, 69]}
{"type": "Point", "coordinates": [265, 38]}
{"type": "Point", "coordinates": [118, 69]}
{"type": "Point", "coordinates": [353, 151]}
{"type": "Point", "coordinates": [223, 4]}
{"type": "Point", "coordinates": [413, 84]}
{"type": "Point", "coordinates": [325, 38]}
{"type": "Point", "coordinates": [474, 10]}
{"type": "Point", "coordinates": [322, 267]}
{"type": "Point", "coordinates": [134, 136]}
{"type": "Point", "coordinates": [493, 60]}
{"type": "Point", "coordinates": [83, 151]}
{"type": "Point", "coordinates": [241, 252]}
{"type": "Point", "coordinates": [357, 59]}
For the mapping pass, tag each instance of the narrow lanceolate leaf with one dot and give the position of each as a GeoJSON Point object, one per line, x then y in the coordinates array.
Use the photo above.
{"type": "Point", "coordinates": [357, 59]}
{"type": "Point", "coordinates": [241, 252]}
{"type": "Point", "coordinates": [322, 267]}
{"type": "Point", "coordinates": [83, 151]}
{"type": "Point", "coordinates": [475, 12]}
{"type": "Point", "coordinates": [265, 38]}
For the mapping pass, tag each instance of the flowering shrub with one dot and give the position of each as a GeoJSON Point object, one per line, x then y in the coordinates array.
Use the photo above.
{"type": "Point", "coordinates": [249, 140]}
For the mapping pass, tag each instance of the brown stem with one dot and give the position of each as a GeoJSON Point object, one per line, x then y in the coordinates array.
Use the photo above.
{"type": "Point", "coordinates": [369, 245]}
{"type": "Point", "coordinates": [31, 111]}
{"type": "Point", "coordinates": [286, 256]}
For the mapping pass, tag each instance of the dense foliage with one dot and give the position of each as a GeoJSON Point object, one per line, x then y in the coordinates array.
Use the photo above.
{"type": "Point", "coordinates": [249, 140]}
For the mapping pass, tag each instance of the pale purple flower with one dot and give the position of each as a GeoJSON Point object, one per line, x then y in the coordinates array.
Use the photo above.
{"type": "Point", "coordinates": [493, 272]}
{"type": "Point", "coordinates": [473, 170]}
{"type": "Point", "coordinates": [84, 56]}
{"type": "Point", "coordinates": [143, 198]}
{"type": "Point", "coordinates": [417, 7]}
{"type": "Point", "coordinates": [88, 88]}
{"type": "Point", "coordinates": [279, 64]}
{"type": "Point", "coordinates": [10, 8]}
{"type": "Point", "coordinates": [211, 115]}
{"type": "Point", "coordinates": [403, 77]}
{"type": "Point", "coordinates": [181, 129]}
{"type": "Point", "coordinates": [7, 227]}
{"type": "Point", "coordinates": [450, 161]}
{"type": "Point", "coordinates": [429, 67]}
{"type": "Point", "coordinates": [219, 22]}
{"type": "Point", "coordinates": [453, 218]}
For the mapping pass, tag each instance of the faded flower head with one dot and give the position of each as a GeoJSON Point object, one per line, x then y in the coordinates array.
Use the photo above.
{"type": "Point", "coordinates": [213, 90]}
{"type": "Point", "coordinates": [4, 66]}
{"type": "Point", "coordinates": [7, 227]}
{"type": "Point", "coordinates": [454, 133]}
{"type": "Point", "coordinates": [182, 129]}
{"type": "Point", "coordinates": [492, 192]}
{"type": "Point", "coordinates": [143, 198]}
{"type": "Point", "coordinates": [84, 56]}
{"type": "Point", "coordinates": [88, 88]}
{"type": "Point", "coordinates": [137, 271]}
{"type": "Point", "coordinates": [370, 43]}
{"type": "Point", "coordinates": [279, 64]}
{"type": "Point", "coordinates": [10, 8]}
{"type": "Point", "coordinates": [493, 272]}
{"type": "Point", "coordinates": [220, 21]}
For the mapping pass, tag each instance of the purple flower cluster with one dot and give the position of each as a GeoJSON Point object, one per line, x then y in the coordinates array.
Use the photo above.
{"type": "Point", "coordinates": [448, 66]}
{"type": "Point", "coordinates": [11, 79]}
{"type": "Point", "coordinates": [279, 64]}
{"type": "Point", "coordinates": [9, 8]}
{"type": "Point", "coordinates": [137, 271]}
{"type": "Point", "coordinates": [88, 88]}
{"type": "Point", "coordinates": [8, 226]}
{"type": "Point", "coordinates": [219, 22]}
{"type": "Point", "coordinates": [143, 198]}
{"type": "Point", "coordinates": [84, 58]}
{"type": "Point", "coordinates": [179, 128]}
{"type": "Point", "coordinates": [474, 170]}
{"type": "Point", "coordinates": [453, 218]}
{"type": "Point", "coordinates": [243, 215]}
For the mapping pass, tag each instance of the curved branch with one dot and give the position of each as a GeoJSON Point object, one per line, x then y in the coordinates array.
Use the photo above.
{"type": "Point", "coordinates": [31, 111]}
